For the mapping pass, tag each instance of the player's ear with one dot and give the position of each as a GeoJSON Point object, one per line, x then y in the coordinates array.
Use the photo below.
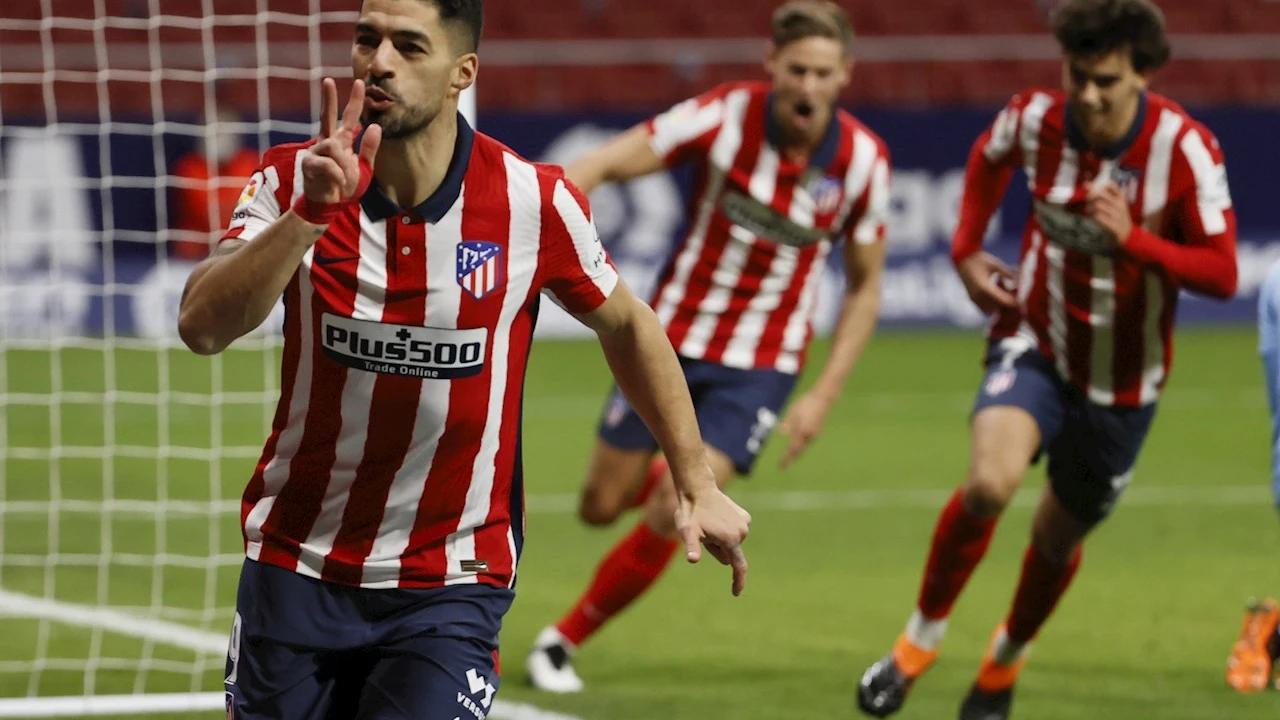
{"type": "Point", "coordinates": [464, 71]}
{"type": "Point", "coordinates": [770, 57]}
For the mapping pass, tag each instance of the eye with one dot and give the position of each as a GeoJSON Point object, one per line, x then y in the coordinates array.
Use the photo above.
{"type": "Point", "coordinates": [410, 48]}
{"type": "Point", "coordinates": [366, 41]}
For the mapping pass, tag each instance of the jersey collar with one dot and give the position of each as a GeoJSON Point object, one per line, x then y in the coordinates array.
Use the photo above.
{"type": "Point", "coordinates": [1075, 135]}
{"type": "Point", "coordinates": [378, 206]}
{"type": "Point", "coordinates": [826, 152]}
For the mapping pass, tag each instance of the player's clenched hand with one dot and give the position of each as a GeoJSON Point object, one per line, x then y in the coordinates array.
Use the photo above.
{"type": "Point", "coordinates": [708, 517]}
{"type": "Point", "coordinates": [802, 423]}
{"type": "Point", "coordinates": [331, 167]}
{"type": "Point", "coordinates": [1109, 208]}
{"type": "Point", "coordinates": [985, 277]}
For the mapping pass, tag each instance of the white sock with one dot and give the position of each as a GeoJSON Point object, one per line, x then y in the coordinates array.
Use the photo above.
{"type": "Point", "coordinates": [924, 633]}
{"type": "Point", "coordinates": [1007, 652]}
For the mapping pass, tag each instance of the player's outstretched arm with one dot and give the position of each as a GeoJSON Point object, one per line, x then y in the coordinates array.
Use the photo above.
{"type": "Point", "coordinates": [233, 291]}
{"type": "Point", "coordinates": [627, 156]}
{"type": "Point", "coordinates": [649, 374]}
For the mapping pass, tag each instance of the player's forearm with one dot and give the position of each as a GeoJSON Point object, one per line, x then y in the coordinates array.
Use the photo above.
{"type": "Point", "coordinates": [858, 315]}
{"type": "Point", "coordinates": [648, 372]}
{"type": "Point", "coordinates": [984, 187]}
{"type": "Point", "coordinates": [1206, 269]}
{"type": "Point", "coordinates": [229, 295]}
{"type": "Point", "coordinates": [625, 157]}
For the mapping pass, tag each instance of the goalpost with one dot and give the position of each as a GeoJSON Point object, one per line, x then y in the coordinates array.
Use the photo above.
{"type": "Point", "coordinates": [122, 455]}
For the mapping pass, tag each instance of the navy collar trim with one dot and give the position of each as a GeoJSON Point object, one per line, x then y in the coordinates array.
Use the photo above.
{"type": "Point", "coordinates": [1075, 135]}
{"type": "Point", "coordinates": [826, 152]}
{"type": "Point", "coordinates": [378, 206]}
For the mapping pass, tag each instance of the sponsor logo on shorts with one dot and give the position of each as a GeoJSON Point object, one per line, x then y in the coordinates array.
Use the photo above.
{"type": "Point", "coordinates": [477, 685]}
{"type": "Point", "coordinates": [405, 350]}
{"type": "Point", "coordinates": [617, 410]}
{"type": "Point", "coordinates": [1000, 381]}
{"type": "Point", "coordinates": [765, 420]}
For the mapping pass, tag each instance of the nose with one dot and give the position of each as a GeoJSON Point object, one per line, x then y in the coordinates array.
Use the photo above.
{"type": "Point", "coordinates": [1090, 95]}
{"type": "Point", "coordinates": [381, 65]}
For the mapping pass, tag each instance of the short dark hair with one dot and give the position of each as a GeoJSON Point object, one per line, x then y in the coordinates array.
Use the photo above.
{"type": "Point", "coordinates": [464, 19]}
{"type": "Point", "coordinates": [1089, 28]}
{"type": "Point", "coordinates": [800, 19]}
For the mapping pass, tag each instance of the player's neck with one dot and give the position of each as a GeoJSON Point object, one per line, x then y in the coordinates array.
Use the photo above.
{"type": "Point", "coordinates": [1112, 136]}
{"type": "Point", "coordinates": [411, 169]}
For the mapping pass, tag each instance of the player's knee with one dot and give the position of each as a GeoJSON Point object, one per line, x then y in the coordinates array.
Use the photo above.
{"type": "Point", "coordinates": [598, 508]}
{"type": "Point", "coordinates": [989, 488]}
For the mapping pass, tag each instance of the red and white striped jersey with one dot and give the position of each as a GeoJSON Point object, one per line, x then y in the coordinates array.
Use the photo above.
{"type": "Point", "coordinates": [741, 288]}
{"type": "Point", "coordinates": [394, 457]}
{"type": "Point", "coordinates": [1105, 316]}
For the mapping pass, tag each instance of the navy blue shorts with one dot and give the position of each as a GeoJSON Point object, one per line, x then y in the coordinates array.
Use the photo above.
{"type": "Point", "coordinates": [303, 649]}
{"type": "Point", "coordinates": [736, 411]}
{"type": "Point", "coordinates": [1092, 449]}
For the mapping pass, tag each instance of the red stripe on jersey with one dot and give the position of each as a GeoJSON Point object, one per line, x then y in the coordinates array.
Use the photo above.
{"type": "Point", "coordinates": [288, 385]}
{"type": "Point", "coordinates": [298, 506]}
{"type": "Point", "coordinates": [701, 279]}
{"type": "Point", "coordinates": [1127, 366]}
{"type": "Point", "coordinates": [389, 434]}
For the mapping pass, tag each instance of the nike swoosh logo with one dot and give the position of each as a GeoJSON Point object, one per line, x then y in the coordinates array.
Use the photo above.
{"type": "Point", "coordinates": [319, 259]}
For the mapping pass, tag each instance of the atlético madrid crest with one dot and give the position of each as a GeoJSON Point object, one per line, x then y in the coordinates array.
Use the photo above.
{"type": "Point", "coordinates": [480, 267]}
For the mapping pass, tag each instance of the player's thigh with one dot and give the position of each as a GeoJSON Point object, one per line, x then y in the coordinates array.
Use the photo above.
{"type": "Point", "coordinates": [290, 650]}
{"type": "Point", "coordinates": [440, 677]}
{"type": "Point", "coordinates": [1018, 410]}
{"type": "Point", "coordinates": [1092, 461]}
{"type": "Point", "coordinates": [738, 410]}
{"type": "Point", "coordinates": [266, 679]}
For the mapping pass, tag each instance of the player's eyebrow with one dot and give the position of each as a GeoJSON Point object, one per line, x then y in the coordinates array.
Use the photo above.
{"type": "Point", "coordinates": [410, 35]}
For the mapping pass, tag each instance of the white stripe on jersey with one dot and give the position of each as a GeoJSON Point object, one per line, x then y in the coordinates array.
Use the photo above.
{"type": "Point", "coordinates": [355, 404]}
{"type": "Point", "coordinates": [1032, 121]}
{"type": "Point", "coordinates": [584, 237]}
{"type": "Point", "coordinates": [1212, 199]}
{"type": "Point", "coordinates": [723, 151]}
{"type": "Point", "coordinates": [1102, 321]}
{"type": "Point", "coordinates": [1152, 339]}
{"type": "Point", "coordinates": [1002, 135]}
{"type": "Point", "coordinates": [382, 568]}
{"type": "Point", "coordinates": [522, 252]}
{"type": "Point", "coordinates": [683, 123]}
{"type": "Point", "coordinates": [1055, 258]}
{"type": "Point", "coordinates": [1155, 193]}
{"type": "Point", "coordinates": [276, 473]}
{"type": "Point", "coordinates": [724, 279]}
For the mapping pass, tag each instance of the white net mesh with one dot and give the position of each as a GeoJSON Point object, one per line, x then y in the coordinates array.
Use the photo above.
{"type": "Point", "coordinates": [125, 125]}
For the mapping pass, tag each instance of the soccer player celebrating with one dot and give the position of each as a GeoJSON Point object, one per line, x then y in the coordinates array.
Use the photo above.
{"type": "Point", "coordinates": [1131, 206]}
{"type": "Point", "coordinates": [782, 175]}
{"type": "Point", "coordinates": [385, 519]}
